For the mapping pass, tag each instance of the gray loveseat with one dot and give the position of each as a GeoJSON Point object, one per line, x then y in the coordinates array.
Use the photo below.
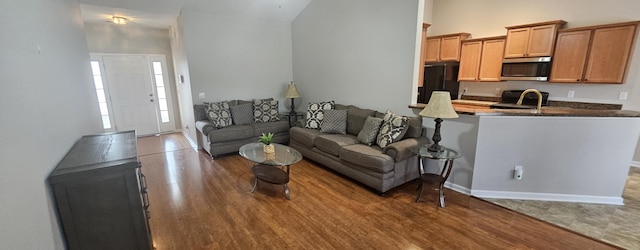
{"type": "Point", "coordinates": [375, 167]}
{"type": "Point", "coordinates": [218, 141]}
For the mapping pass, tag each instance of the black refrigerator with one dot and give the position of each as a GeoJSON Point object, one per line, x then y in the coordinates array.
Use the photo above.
{"type": "Point", "coordinates": [439, 77]}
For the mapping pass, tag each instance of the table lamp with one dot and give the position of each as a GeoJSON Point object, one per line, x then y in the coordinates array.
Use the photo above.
{"type": "Point", "coordinates": [292, 93]}
{"type": "Point", "coordinates": [439, 107]}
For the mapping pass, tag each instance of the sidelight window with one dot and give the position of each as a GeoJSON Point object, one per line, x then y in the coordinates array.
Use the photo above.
{"type": "Point", "coordinates": [102, 98]}
{"type": "Point", "coordinates": [162, 94]}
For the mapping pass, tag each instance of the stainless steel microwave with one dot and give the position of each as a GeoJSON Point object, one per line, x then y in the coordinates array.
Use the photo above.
{"type": "Point", "coordinates": [526, 69]}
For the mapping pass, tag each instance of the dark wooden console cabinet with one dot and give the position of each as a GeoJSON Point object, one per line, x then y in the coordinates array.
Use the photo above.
{"type": "Point", "coordinates": [101, 194]}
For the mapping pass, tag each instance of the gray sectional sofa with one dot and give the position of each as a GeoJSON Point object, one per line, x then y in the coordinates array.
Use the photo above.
{"type": "Point", "coordinates": [218, 141]}
{"type": "Point", "coordinates": [379, 168]}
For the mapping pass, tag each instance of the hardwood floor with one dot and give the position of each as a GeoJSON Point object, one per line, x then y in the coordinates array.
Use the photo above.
{"type": "Point", "coordinates": [199, 203]}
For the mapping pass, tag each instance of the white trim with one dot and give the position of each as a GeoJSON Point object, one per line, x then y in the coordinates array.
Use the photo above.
{"type": "Point", "coordinates": [193, 144]}
{"type": "Point", "coordinates": [610, 200]}
{"type": "Point", "coordinates": [457, 188]}
{"type": "Point", "coordinates": [635, 164]}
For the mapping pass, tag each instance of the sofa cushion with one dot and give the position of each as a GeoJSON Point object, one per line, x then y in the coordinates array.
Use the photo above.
{"type": "Point", "coordinates": [356, 119]}
{"type": "Point", "coordinates": [341, 106]}
{"type": "Point", "coordinates": [369, 131]}
{"type": "Point", "coordinates": [335, 122]}
{"type": "Point", "coordinates": [219, 114]}
{"type": "Point", "coordinates": [265, 111]}
{"type": "Point", "coordinates": [304, 136]}
{"type": "Point", "coordinates": [414, 127]}
{"type": "Point", "coordinates": [251, 101]}
{"type": "Point", "coordinates": [392, 130]}
{"type": "Point", "coordinates": [369, 157]}
{"type": "Point", "coordinates": [231, 133]}
{"type": "Point", "coordinates": [200, 112]}
{"type": "Point", "coordinates": [242, 113]}
{"type": "Point", "coordinates": [332, 143]}
{"type": "Point", "coordinates": [270, 127]}
{"type": "Point", "coordinates": [315, 113]}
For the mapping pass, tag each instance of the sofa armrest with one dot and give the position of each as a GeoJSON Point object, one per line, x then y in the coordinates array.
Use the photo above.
{"type": "Point", "coordinates": [401, 150]}
{"type": "Point", "coordinates": [205, 127]}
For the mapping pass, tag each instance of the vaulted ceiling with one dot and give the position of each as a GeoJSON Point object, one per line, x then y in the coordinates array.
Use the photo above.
{"type": "Point", "coordinates": [162, 13]}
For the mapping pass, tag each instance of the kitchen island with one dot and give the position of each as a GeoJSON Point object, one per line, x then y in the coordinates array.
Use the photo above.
{"type": "Point", "coordinates": [576, 155]}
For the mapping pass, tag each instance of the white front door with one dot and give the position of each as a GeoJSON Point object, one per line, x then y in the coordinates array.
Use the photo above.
{"type": "Point", "coordinates": [132, 93]}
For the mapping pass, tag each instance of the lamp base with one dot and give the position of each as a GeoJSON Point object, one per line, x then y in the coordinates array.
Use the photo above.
{"type": "Point", "coordinates": [293, 110]}
{"type": "Point", "coordinates": [435, 148]}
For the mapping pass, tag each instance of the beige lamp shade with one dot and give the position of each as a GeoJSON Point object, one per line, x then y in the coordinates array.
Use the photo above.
{"type": "Point", "coordinates": [292, 92]}
{"type": "Point", "coordinates": [439, 106]}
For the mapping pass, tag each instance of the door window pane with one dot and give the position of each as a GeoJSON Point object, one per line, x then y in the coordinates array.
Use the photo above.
{"type": "Point", "coordinates": [102, 98]}
{"type": "Point", "coordinates": [163, 104]}
{"type": "Point", "coordinates": [161, 91]}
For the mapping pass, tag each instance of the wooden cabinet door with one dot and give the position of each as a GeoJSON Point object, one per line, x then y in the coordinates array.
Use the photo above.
{"type": "Point", "coordinates": [609, 55]}
{"type": "Point", "coordinates": [517, 42]}
{"type": "Point", "coordinates": [570, 56]}
{"type": "Point", "coordinates": [432, 50]}
{"type": "Point", "coordinates": [491, 60]}
{"type": "Point", "coordinates": [450, 48]}
{"type": "Point", "coordinates": [541, 40]}
{"type": "Point", "coordinates": [470, 61]}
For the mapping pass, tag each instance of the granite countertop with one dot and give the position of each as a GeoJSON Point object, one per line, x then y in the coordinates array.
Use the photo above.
{"type": "Point", "coordinates": [481, 108]}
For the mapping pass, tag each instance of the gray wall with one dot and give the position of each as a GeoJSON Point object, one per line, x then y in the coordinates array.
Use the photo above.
{"type": "Point", "coordinates": [48, 103]}
{"type": "Point", "coordinates": [236, 56]}
{"type": "Point", "coordinates": [133, 39]}
{"type": "Point", "coordinates": [489, 17]}
{"type": "Point", "coordinates": [359, 52]}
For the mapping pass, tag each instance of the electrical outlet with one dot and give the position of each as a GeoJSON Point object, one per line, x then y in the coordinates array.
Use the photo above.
{"type": "Point", "coordinates": [517, 172]}
{"type": "Point", "coordinates": [497, 91]}
{"type": "Point", "coordinates": [201, 95]}
{"type": "Point", "coordinates": [623, 95]}
{"type": "Point", "coordinates": [571, 93]}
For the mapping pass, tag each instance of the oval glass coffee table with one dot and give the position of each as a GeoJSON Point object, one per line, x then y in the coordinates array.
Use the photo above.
{"type": "Point", "coordinates": [270, 167]}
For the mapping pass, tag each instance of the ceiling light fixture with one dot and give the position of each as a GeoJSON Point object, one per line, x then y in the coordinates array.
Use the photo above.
{"type": "Point", "coordinates": [119, 20]}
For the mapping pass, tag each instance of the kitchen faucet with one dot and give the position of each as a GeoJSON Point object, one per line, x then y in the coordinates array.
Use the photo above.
{"type": "Point", "coordinates": [539, 108]}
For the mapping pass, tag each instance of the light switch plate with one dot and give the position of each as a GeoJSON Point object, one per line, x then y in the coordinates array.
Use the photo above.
{"type": "Point", "coordinates": [201, 95]}
{"type": "Point", "coordinates": [623, 95]}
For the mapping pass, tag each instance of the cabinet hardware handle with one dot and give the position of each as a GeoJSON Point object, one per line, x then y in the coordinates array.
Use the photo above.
{"type": "Point", "coordinates": [145, 200]}
{"type": "Point", "coordinates": [143, 181]}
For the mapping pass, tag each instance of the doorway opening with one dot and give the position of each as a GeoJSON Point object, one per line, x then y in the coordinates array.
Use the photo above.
{"type": "Point", "coordinates": [133, 93]}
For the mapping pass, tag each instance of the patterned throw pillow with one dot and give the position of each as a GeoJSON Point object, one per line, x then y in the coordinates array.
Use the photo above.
{"type": "Point", "coordinates": [219, 114]}
{"type": "Point", "coordinates": [392, 129]}
{"type": "Point", "coordinates": [315, 113]}
{"type": "Point", "coordinates": [242, 113]}
{"type": "Point", "coordinates": [265, 111]}
{"type": "Point", "coordinates": [334, 122]}
{"type": "Point", "coordinates": [369, 131]}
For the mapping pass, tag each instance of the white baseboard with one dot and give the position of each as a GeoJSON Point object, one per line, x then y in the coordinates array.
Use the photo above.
{"type": "Point", "coordinates": [191, 142]}
{"type": "Point", "coordinates": [610, 200]}
{"type": "Point", "coordinates": [635, 164]}
{"type": "Point", "coordinates": [457, 188]}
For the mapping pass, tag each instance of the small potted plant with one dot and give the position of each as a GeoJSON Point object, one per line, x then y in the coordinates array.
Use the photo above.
{"type": "Point", "coordinates": [266, 140]}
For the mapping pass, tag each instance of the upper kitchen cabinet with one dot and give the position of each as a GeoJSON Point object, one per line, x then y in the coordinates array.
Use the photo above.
{"type": "Point", "coordinates": [595, 54]}
{"type": "Point", "coordinates": [444, 48]}
{"type": "Point", "coordinates": [531, 40]}
{"type": "Point", "coordinates": [481, 59]}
